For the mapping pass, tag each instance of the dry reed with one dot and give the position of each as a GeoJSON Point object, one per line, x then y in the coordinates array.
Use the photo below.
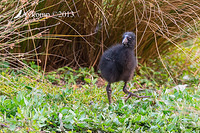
{"type": "Point", "coordinates": [91, 26]}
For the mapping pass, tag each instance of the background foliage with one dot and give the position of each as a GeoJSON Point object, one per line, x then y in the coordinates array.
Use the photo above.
{"type": "Point", "coordinates": [75, 33]}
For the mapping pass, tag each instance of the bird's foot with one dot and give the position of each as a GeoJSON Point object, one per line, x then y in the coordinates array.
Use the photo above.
{"type": "Point", "coordinates": [130, 94]}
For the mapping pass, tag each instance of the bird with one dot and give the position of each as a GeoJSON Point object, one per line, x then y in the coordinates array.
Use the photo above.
{"type": "Point", "coordinates": [118, 63]}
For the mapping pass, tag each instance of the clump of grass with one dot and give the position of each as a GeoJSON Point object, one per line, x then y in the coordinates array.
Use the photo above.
{"type": "Point", "coordinates": [180, 64]}
{"type": "Point", "coordinates": [76, 33]}
{"type": "Point", "coordinates": [159, 25]}
{"type": "Point", "coordinates": [18, 26]}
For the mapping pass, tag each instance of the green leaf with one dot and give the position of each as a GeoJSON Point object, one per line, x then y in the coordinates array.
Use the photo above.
{"type": "Point", "coordinates": [171, 126]}
{"type": "Point", "coordinates": [87, 80]}
{"type": "Point", "coordinates": [116, 121]}
{"type": "Point", "coordinates": [82, 125]}
{"type": "Point", "coordinates": [69, 126]}
{"type": "Point", "coordinates": [12, 127]}
{"type": "Point", "coordinates": [28, 87]}
{"type": "Point", "coordinates": [69, 119]}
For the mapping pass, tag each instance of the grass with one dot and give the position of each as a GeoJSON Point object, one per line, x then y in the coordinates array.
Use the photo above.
{"type": "Point", "coordinates": [75, 101]}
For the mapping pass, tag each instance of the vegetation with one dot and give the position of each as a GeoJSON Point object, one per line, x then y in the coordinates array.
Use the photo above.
{"type": "Point", "coordinates": [76, 100]}
{"type": "Point", "coordinates": [56, 33]}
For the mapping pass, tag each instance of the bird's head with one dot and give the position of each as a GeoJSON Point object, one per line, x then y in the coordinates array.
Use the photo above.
{"type": "Point", "coordinates": [129, 39]}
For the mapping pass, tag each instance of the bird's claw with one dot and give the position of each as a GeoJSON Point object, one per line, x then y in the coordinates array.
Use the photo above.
{"type": "Point", "coordinates": [130, 94]}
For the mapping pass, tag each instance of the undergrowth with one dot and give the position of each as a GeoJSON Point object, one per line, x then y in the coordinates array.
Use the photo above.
{"type": "Point", "coordinates": [76, 100]}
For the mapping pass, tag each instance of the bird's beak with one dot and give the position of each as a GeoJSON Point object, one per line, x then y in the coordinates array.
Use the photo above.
{"type": "Point", "coordinates": [125, 41]}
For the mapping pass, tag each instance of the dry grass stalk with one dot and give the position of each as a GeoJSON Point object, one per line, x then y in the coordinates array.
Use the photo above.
{"type": "Point", "coordinates": [94, 25]}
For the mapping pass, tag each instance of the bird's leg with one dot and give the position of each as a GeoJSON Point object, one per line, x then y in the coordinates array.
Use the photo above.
{"type": "Point", "coordinates": [109, 91]}
{"type": "Point", "coordinates": [130, 94]}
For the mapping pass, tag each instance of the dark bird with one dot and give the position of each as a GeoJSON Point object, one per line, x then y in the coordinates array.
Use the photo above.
{"type": "Point", "coordinates": [118, 63]}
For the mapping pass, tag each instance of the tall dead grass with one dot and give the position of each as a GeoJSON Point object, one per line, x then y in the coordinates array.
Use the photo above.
{"type": "Point", "coordinates": [92, 26]}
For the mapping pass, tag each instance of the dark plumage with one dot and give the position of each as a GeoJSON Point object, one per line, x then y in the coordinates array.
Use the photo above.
{"type": "Point", "coordinates": [118, 64]}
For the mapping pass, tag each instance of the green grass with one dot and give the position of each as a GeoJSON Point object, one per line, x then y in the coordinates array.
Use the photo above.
{"type": "Point", "coordinates": [28, 104]}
